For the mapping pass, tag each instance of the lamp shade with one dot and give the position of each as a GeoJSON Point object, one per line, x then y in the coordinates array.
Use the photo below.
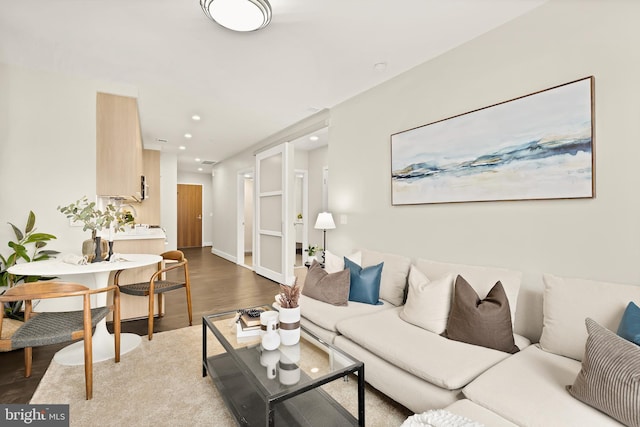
{"type": "Point", "coordinates": [238, 15]}
{"type": "Point", "coordinates": [325, 221]}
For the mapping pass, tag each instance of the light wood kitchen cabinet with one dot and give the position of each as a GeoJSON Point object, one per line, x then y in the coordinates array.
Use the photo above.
{"type": "Point", "coordinates": [119, 164]}
{"type": "Point", "coordinates": [148, 212]}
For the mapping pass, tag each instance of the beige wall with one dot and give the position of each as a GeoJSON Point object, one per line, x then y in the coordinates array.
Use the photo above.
{"type": "Point", "coordinates": [48, 153]}
{"type": "Point", "coordinates": [47, 149]}
{"type": "Point", "coordinates": [318, 159]}
{"type": "Point", "coordinates": [561, 41]}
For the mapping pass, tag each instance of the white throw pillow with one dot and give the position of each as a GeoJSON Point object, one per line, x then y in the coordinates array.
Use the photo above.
{"type": "Point", "coordinates": [428, 302]}
{"type": "Point", "coordinates": [334, 263]}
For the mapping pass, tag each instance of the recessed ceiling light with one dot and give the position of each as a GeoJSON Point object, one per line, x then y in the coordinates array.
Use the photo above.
{"type": "Point", "coordinates": [182, 147]}
{"type": "Point", "coordinates": [187, 135]}
{"type": "Point", "coordinates": [314, 138]}
{"type": "Point", "coordinates": [197, 159]}
{"type": "Point", "coordinates": [199, 169]}
{"type": "Point", "coordinates": [195, 117]}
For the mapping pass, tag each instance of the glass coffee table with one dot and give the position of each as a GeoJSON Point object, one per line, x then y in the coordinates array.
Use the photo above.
{"type": "Point", "coordinates": [279, 387]}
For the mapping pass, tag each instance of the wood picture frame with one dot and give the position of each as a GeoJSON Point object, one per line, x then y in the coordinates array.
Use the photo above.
{"type": "Point", "coordinates": [535, 147]}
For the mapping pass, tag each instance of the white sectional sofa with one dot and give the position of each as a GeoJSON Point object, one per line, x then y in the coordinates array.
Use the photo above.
{"type": "Point", "coordinates": [423, 370]}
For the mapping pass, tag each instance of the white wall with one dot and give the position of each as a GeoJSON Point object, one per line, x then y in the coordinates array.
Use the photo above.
{"type": "Point", "coordinates": [248, 215]}
{"type": "Point", "coordinates": [596, 238]}
{"type": "Point", "coordinates": [318, 159]}
{"type": "Point", "coordinates": [207, 201]}
{"type": "Point", "coordinates": [169, 198]}
{"type": "Point", "coordinates": [48, 153]}
{"type": "Point", "coordinates": [47, 150]}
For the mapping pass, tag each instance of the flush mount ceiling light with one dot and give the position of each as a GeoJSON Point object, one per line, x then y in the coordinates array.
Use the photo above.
{"type": "Point", "coordinates": [238, 15]}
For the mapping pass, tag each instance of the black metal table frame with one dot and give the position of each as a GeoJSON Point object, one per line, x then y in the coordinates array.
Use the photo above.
{"type": "Point", "coordinates": [356, 368]}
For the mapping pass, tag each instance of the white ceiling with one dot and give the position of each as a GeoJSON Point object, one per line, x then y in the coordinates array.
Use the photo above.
{"type": "Point", "coordinates": [245, 86]}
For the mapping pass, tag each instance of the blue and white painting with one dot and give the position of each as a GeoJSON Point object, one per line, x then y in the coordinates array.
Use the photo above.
{"type": "Point", "coordinates": [538, 146]}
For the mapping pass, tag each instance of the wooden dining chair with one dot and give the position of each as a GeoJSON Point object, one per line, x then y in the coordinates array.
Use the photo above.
{"type": "Point", "coordinates": [158, 284]}
{"type": "Point", "coordinates": [46, 328]}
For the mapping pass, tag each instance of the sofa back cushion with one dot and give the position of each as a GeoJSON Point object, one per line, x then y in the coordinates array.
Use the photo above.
{"type": "Point", "coordinates": [394, 274]}
{"type": "Point", "coordinates": [567, 302]}
{"type": "Point", "coordinates": [334, 263]}
{"type": "Point", "coordinates": [482, 279]}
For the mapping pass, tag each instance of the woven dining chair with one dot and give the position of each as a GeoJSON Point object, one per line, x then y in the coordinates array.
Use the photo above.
{"type": "Point", "coordinates": [158, 284]}
{"type": "Point", "coordinates": [47, 328]}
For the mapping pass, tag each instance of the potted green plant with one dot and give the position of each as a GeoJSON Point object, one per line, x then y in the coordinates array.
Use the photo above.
{"type": "Point", "coordinates": [95, 219]}
{"type": "Point", "coordinates": [311, 252]}
{"type": "Point", "coordinates": [28, 246]}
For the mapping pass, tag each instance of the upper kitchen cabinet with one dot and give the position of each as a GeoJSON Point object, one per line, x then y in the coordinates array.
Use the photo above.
{"type": "Point", "coordinates": [119, 164]}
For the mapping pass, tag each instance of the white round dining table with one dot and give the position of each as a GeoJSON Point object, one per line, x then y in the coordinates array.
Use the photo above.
{"type": "Point", "coordinates": [95, 276]}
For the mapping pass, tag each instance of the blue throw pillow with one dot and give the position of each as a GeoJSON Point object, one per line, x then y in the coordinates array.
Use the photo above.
{"type": "Point", "coordinates": [365, 282]}
{"type": "Point", "coordinates": [629, 328]}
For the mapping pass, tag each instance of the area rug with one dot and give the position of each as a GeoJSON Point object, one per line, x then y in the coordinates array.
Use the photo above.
{"type": "Point", "coordinates": [160, 383]}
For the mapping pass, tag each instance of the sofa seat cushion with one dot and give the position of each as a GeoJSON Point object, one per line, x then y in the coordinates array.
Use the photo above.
{"type": "Point", "coordinates": [475, 412]}
{"type": "Point", "coordinates": [327, 316]}
{"type": "Point", "coordinates": [529, 389]}
{"type": "Point", "coordinates": [438, 360]}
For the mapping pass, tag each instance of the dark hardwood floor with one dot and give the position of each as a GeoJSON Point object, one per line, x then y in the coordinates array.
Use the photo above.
{"type": "Point", "coordinates": [216, 285]}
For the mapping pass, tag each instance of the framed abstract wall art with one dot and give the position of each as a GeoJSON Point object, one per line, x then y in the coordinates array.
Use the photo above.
{"type": "Point", "coordinates": [538, 146]}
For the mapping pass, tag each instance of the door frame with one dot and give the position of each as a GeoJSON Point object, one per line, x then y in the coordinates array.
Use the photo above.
{"type": "Point", "coordinates": [240, 226]}
{"type": "Point", "coordinates": [305, 214]}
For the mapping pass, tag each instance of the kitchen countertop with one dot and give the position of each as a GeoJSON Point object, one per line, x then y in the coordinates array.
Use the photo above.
{"type": "Point", "coordinates": [137, 233]}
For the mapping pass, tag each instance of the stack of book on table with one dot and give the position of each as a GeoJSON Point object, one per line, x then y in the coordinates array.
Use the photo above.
{"type": "Point", "coordinates": [248, 324]}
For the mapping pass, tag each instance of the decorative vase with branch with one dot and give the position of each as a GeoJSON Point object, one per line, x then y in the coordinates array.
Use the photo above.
{"type": "Point", "coordinates": [289, 313]}
{"type": "Point", "coordinates": [95, 219]}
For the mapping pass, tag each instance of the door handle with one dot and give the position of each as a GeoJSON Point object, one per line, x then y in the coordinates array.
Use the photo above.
{"type": "Point", "coordinates": [199, 217]}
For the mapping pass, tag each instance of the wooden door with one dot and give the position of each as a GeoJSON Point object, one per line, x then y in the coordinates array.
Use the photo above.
{"type": "Point", "coordinates": [189, 216]}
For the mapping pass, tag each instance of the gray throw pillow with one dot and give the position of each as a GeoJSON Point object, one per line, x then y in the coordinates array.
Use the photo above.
{"type": "Point", "coordinates": [610, 376]}
{"type": "Point", "coordinates": [332, 288]}
{"type": "Point", "coordinates": [486, 322]}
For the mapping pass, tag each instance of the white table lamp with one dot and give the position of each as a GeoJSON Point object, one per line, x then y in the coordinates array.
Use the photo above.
{"type": "Point", "coordinates": [324, 223]}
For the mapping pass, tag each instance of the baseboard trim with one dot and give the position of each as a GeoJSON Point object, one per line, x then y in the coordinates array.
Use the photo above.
{"type": "Point", "coordinates": [224, 255]}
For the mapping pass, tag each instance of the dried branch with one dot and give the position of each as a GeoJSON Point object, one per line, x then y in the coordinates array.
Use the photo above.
{"type": "Point", "coordinates": [289, 295]}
